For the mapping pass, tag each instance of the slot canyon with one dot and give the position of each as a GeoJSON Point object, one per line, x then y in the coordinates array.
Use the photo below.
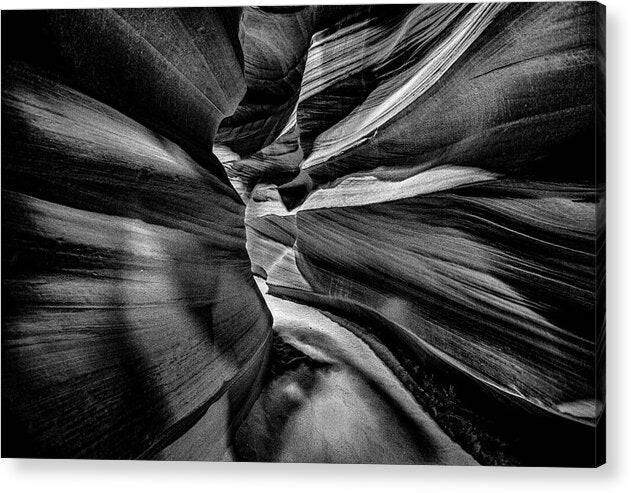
{"type": "Point", "coordinates": [342, 234]}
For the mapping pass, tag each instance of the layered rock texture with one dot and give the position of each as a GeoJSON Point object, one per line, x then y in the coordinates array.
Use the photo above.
{"type": "Point", "coordinates": [132, 326]}
{"type": "Point", "coordinates": [311, 234]}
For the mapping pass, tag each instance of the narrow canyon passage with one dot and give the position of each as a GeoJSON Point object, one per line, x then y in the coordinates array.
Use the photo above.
{"type": "Point", "coordinates": [346, 234]}
{"type": "Point", "coordinates": [333, 400]}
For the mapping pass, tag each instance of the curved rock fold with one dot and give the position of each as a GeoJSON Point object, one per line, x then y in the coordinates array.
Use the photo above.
{"type": "Point", "coordinates": [348, 234]}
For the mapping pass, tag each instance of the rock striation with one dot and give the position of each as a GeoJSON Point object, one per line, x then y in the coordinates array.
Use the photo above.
{"type": "Point", "coordinates": [417, 190]}
{"type": "Point", "coordinates": [132, 326]}
{"type": "Point", "coordinates": [451, 205]}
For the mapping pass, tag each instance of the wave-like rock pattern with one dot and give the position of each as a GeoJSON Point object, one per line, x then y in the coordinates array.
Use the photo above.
{"type": "Point", "coordinates": [506, 292]}
{"type": "Point", "coordinates": [485, 96]}
{"type": "Point", "coordinates": [132, 327]}
{"type": "Point", "coordinates": [421, 186]}
{"type": "Point", "coordinates": [455, 209]}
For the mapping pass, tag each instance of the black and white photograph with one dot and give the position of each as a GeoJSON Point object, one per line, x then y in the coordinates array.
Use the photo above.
{"type": "Point", "coordinates": [332, 234]}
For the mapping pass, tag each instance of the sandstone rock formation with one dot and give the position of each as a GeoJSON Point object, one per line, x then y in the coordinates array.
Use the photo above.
{"type": "Point", "coordinates": [414, 188]}
{"type": "Point", "coordinates": [132, 327]}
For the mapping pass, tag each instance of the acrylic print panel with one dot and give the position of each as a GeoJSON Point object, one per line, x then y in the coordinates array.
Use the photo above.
{"type": "Point", "coordinates": [344, 234]}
